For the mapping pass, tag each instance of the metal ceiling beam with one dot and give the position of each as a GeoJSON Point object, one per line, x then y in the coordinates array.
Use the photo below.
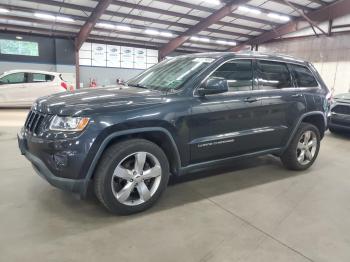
{"type": "Point", "coordinates": [312, 23]}
{"type": "Point", "coordinates": [93, 38]}
{"type": "Point", "coordinates": [334, 10]}
{"type": "Point", "coordinates": [91, 22]}
{"type": "Point", "coordinates": [143, 19]}
{"type": "Point", "coordinates": [202, 25]}
{"type": "Point", "coordinates": [211, 10]}
{"type": "Point", "coordinates": [76, 27]}
{"type": "Point", "coordinates": [182, 15]}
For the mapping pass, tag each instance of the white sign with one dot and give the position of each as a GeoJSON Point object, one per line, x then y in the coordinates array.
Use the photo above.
{"type": "Point", "coordinates": [103, 55]}
{"type": "Point", "coordinates": [98, 55]}
{"type": "Point", "coordinates": [113, 56]}
{"type": "Point", "coordinates": [140, 58]}
{"type": "Point", "coordinates": [127, 57]}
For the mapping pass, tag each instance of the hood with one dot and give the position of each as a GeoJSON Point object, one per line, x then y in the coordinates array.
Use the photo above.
{"type": "Point", "coordinates": [342, 98]}
{"type": "Point", "coordinates": [88, 101]}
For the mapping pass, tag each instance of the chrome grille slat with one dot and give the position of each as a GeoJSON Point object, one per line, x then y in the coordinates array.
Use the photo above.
{"type": "Point", "coordinates": [35, 122]}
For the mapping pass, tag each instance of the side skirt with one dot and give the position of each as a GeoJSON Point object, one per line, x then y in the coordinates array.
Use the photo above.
{"type": "Point", "coordinates": [225, 161]}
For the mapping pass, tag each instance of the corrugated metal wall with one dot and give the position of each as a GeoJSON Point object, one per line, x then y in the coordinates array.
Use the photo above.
{"type": "Point", "coordinates": [330, 55]}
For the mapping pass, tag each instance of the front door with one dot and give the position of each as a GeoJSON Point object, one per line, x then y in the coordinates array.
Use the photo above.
{"type": "Point", "coordinates": [12, 89]}
{"type": "Point", "coordinates": [227, 124]}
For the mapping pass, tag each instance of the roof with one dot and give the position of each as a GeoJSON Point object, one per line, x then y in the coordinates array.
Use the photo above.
{"type": "Point", "coordinates": [250, 54]}
{"type": "Point", "coordinates": [153, 23]}
{"type": "Point", "coordinates": [31, 71]}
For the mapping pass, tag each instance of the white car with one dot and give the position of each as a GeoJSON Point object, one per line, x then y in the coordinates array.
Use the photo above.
{"type": "Point", "coordinates": [20, 88]}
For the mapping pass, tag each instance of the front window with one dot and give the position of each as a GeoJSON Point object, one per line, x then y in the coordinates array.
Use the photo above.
{"type": "Point", "coordinates": [15, 78]}
{"type": "Point", "coordinates": [170, 74]}
{"type": "Point", "coordinates": [238, 73]}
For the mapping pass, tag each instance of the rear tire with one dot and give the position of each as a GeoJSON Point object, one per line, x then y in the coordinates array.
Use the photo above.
{"type": "Point", "coordinates": [131, 176]}
{"type": "Point", "coordinates": [303, 149]}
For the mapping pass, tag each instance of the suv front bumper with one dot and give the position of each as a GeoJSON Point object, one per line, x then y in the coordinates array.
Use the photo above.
{"type": "Point", "coordinates": [72, 185]}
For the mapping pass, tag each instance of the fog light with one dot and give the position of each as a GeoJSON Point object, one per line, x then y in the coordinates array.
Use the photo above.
{"type": "Point", "coordinates": [60, 160]}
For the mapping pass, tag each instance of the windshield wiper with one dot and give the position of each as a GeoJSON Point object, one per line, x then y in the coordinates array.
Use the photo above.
{"type": "Point", "coordinates": [138, 85]}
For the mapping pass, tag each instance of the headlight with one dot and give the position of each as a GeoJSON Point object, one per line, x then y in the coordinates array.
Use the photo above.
{"type": "Point", "coordinates": [68, 123]}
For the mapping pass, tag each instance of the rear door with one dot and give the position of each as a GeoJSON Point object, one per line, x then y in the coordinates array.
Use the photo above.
{"type": "Point", "coordinates": [12, 89]}
{"type": "Point", "coordinates": [282, 103]}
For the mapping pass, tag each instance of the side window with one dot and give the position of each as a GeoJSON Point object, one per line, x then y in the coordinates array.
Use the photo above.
{"type": "Point", "coordinates": [37, 77]}
{"type": "Point", "coordinates": [16, 78]}
{"type": "Point", "coordinates": [303, 76]}
{"type": "Point", "coordinates": [273, 75]}
{"type": "Point", "coordinates": [238, 73]}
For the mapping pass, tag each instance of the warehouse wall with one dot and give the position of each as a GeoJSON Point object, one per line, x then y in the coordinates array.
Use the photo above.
{"type": "Point", "coordinates": [56, 54]}
{"type": "Point", "coordinates": [330, 55]}
{"type": "Point", "coordinates": [105, 76]}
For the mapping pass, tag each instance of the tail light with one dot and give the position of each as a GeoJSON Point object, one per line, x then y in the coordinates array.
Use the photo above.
{"type": "Point", "coordinates": [64, 85]}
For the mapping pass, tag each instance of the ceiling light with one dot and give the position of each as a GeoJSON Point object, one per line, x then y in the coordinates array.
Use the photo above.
{"type": "Point", "coordinates": [151, 32]}
{"type": "Point", "coordinates": [214, 2]}
{"type": "Point", "coordinates": [45, 16]}
{"type": "Point", "coordinates": [224, 42]}
{"type": "Point", "coordinates": [123, 27]}
{"type": "Point", "coordinates": [249, 10]}
{"type": "Point", "coordinates": [3, 10]}
{"type": "Point", "coordinates": [221, 42]}
{"type": "Point", "coordinates": [166, 34]}
{"type": "Point", "coordinates": [200, 39]}
{"type": "Point", "coordinates": [278, 17]}
{"type": "Point", "coordinates": [105, 25]}
{"type": "Point", "coordinates": [19, 37]}
{"type": "Point", "coordinates": [64, 19]}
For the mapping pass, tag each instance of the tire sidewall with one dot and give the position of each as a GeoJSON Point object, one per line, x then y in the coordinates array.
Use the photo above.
{"type": "Point", "coordinates": [141, 146]}
{"type": "Point", "coordinates": [303, 128]}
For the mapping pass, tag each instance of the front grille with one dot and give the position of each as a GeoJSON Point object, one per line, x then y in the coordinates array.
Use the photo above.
{"type": "Point", "coordinates": [35, 122]}
{"type": "Point", "coordinates": [341, 109]}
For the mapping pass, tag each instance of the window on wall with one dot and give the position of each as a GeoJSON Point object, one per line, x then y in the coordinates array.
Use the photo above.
{"type": "Point", "coordinates": [16, 78]}
{"type": "Point", "coordinates": [238, 74]}
{"type": "Point", "coordinates": [303, 76]}
{"type": "Point", "coordinates": [16, 47]}
{"type": "Point", "coordinates": [273, 75]}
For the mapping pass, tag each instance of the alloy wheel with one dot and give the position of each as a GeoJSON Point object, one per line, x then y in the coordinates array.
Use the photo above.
{"type": "Point", "coordinates": [136, 178]}
{"type": "Point", "coordinates": [307, 147]}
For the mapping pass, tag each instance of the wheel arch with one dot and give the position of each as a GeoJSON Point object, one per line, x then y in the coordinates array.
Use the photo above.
{"type": "Point", "coordinates": [316, 118]}
{"type": "Point", "coordinates": [158, 135]}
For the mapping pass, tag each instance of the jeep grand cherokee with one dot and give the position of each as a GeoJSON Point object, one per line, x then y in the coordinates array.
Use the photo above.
{"type": "Point", "coordinates": [184, 114]}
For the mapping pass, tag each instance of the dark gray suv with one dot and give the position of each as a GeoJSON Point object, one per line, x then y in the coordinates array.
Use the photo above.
{"type": "Point", "coordinates": [184, 114]}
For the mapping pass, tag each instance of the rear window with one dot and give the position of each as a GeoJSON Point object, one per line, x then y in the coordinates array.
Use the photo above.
{"type": "Point", "coordinates": [37, 77]}
{"type": "Point", "coordinates": [303, 76]}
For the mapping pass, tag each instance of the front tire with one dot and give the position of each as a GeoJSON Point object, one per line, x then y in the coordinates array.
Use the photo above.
{"type": "Point", "coordinates": [131, 176]}
{"type": "Point", "coordinates": [303, 149]}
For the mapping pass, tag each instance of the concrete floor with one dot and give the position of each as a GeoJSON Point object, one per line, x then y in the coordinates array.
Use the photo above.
{"type": "Point", "coordinates": [257, 211]}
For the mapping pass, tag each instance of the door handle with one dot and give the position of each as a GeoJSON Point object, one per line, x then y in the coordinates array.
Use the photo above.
{"type": "Point", "coordinates": [250, 100]}
{"type": "Point", "coordinates": [297, 95]}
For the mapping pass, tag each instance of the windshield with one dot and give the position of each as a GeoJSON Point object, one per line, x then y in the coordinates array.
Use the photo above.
{"type": "Point", "coordinates": [171, 73]}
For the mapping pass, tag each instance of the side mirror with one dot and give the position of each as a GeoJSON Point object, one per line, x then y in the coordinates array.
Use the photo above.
{"type": "Point", "coordinates": [214, 85]}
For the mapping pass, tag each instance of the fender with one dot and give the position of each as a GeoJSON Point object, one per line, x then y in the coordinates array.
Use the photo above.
{"type": "Point", "coordinates": [298, 125]}
{"type": "Point", "coordinates": [106, 141]}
